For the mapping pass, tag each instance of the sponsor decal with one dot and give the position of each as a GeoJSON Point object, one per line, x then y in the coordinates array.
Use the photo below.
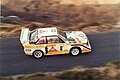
{"type": "Point", "coordinates": [52, 49]}
{"type": "Point", "coordinates": [47, 30]}
{"type": "Point", "coordinates": [53, 30]}
{"type": "Point", "coordinates": [61, 48]}
{"type": "Point", "coordinates": [37, 37]}
{"type": "Point", "coordinates": [78, 40]}
{"type": "Point", "coordinates": [42, 31]}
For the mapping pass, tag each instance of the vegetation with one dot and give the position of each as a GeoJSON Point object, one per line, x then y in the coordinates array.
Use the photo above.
{"type": "Point", "coordinates": [109, 72]}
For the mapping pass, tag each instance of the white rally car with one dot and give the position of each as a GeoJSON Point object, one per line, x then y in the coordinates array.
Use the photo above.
{"type": "Point", "coordinates": [48, 41]}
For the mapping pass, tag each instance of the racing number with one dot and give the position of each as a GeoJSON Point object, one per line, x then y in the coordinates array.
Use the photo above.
{"type": "Point", "coordinates": [46, 49]}
{"type": "Point", "coordinates": [61, 48]}
{"type": "Point", "coordinates": [53, 30]}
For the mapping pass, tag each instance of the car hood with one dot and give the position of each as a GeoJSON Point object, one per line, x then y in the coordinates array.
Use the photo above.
{"type": "Point", "coordinates": [76, 36]}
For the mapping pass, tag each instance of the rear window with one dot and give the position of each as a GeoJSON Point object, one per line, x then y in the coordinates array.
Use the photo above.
{"type": "Point", "coordinates": [33, 35]}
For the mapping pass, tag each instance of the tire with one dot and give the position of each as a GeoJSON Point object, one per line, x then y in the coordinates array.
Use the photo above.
{"type": "Point", "coordinates": [38, 54]}
{"type": "Point", "coordinates": [75, 51]}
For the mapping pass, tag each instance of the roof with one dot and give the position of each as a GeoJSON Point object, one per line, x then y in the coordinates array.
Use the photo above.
{"type": "Point", "coordinates": [47, 31]}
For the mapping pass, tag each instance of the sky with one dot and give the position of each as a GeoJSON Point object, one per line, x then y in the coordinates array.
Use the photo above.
{"type": "Point", "coordinates": [109, 1]}
{"type": "Point", "coordinates": [90, 1]}
{"type": "Point", "coordinates": [77, 2]}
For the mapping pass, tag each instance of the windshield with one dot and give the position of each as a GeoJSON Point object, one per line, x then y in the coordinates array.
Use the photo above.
{"type": "Point", "coordinates": [71, 40]}
{"type": "Point", "coordinates": [63, 38]}
{"type": "Point", "coordinates": [62, 35]}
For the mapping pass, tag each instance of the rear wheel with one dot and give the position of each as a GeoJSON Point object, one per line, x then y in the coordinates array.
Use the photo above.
{"type": "Point", "coordinates": [75, 51]}
{"type": "Point", "coordinates": [37, 54]}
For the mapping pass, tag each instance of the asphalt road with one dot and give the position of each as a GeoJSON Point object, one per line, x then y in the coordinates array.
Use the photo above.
{"type": "Point", "coordinates": [13, 61]}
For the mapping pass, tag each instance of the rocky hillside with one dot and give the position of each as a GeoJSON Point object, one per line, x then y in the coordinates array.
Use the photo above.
{"type": "Point", "coordinates": [85, 15]}
{"type": "Point", "coordinates": [67, 1]}
{"type": "Point", "coordinates": [61, 12]}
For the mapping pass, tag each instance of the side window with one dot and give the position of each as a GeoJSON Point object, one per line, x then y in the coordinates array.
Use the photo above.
{"type": "Point", "coordinates": [54, 39]}
{"type": "Point", "coordinates": [33, 35]}
{"type": "Point", "coordinates": [51, 40]}
{"type": "Point", "coordinates": [42, 40]}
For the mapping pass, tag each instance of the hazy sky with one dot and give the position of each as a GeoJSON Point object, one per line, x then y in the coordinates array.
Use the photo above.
{"type": "Point", "coordinates": [90, 1]}
{"type": "Point", "coordinates": [74, 1]}
{"type": "Point", "coordinates": [109, 1]}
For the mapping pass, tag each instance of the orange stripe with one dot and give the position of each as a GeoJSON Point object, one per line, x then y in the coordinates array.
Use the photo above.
{"type": "Point", "coordinates": [33, 46]}
{"type": "Point", "coordinates": [86, 50]}
{"type": "Point", "coordinates": [51, 45]}
{"type": "Point", "coordinates": [57, 53]}
{"type": "Point", "coordinates": [28, 53]}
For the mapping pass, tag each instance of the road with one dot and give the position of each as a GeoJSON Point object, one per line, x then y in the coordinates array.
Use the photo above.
{"type": "Point", "coordinates": [13, 61]}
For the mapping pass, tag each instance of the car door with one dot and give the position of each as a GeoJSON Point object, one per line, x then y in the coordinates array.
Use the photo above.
{"type": "Point", "coordinates": [55, 45]}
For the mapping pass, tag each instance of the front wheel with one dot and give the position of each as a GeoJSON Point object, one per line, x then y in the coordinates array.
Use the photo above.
{"type": "Point", "coordinates": [37, 54]}
{"type": "Point", "coordinates": [75, 51]}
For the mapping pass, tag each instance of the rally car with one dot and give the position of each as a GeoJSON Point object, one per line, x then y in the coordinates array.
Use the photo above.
{"type": "Point", "coordinates": [49, 41]}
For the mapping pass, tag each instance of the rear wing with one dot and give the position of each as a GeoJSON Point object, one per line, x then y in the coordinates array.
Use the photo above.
{"type": "Point", "coordinates": [24, 37]}
{"type": "Point", "coordinates": [25, 34]}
